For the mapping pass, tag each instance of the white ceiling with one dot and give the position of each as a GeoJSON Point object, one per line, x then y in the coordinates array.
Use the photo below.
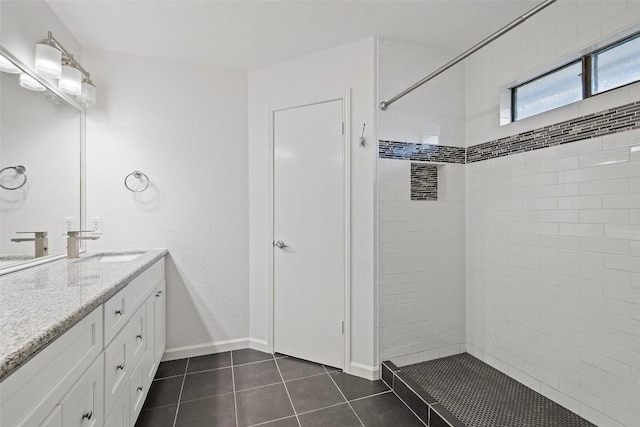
{"type": "Point", "coordinates": [250, 34]}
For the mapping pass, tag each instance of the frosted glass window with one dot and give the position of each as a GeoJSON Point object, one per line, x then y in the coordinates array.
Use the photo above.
{"type": "Point", "coordinates": [553, 90]}
{"type": "Point", "coordinates": [616, 66]}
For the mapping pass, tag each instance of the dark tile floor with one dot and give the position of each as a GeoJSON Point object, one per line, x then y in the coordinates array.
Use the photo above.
{"type": "Point", "coordinates": [247, 387]}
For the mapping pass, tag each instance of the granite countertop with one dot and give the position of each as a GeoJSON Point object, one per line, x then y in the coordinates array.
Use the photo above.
{"type": "Point", "coordinates": [39, 304]}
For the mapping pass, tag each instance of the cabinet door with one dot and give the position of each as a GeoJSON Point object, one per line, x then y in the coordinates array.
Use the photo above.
{"type": "Point", "coordinates": [120, 415]}
{"type": "Point", "coordinates": [137, 391]}
{"type": "Point", "coordinates": [54, 419]}
{"type": "Point", "coordinates": [83, 404]}
{"type": "Point", "coordinates": [160, 342]}
{"type": "Point", "coordinates": [137, 335]}
{"type": "Point", "coordinates": [117, 369]}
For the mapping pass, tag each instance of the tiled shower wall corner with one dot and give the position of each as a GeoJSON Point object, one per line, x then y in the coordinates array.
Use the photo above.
{"type": "Point", "coordinates": [552, 234]}
{"type": "Point", "coordinates": [553, 272]}
{"type": "Point", "coordinates": [421, 262]}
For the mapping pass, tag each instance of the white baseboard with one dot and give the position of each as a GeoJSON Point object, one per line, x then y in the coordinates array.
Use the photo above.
{"type": "Point", "coordinates": [365, 371]}
{"type": "Point", "coordinates": [202, 349]}
{"type": "Point", "coordinates": [260, 345]}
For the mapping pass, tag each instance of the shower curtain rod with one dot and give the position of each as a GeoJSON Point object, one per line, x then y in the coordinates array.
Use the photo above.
{"type": "Point", "coordinates": [483, 43]}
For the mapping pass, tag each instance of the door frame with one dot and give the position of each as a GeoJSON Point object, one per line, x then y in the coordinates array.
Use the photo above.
{"type": "Point", "coordinates": [345, 97]}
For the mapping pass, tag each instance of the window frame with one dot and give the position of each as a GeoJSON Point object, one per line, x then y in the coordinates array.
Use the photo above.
{"type": "Point", "coordinates": [586, 76]}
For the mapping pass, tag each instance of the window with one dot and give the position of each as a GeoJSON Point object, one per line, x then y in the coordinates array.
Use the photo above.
{"type": "Point", "coordinates": [602, 70]}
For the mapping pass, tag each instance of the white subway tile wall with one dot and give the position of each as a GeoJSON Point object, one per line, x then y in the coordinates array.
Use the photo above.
{"type": "Point", "coordinates": [421, 262]}
{"type": "Point", "coordinates": [553, 295]}
{"type": "Point", "coordinates": [553, 235]}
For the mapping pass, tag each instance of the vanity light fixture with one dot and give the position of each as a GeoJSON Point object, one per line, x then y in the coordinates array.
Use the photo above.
{"type": "Point", "coordinates": [28, 82]}
{"type": "Point", "coordinates": [54, 61]}
{"type": "Point", "coordinates": [48, 59]}
{"type": "Point", "coordinates": [88, 96]}
{"type": "Point", "coordinates": [7, 66]}
{"type": "Point", "coordinates": [70, 80]}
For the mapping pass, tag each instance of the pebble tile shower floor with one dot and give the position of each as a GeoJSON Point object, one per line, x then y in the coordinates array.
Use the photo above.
{"type": "Point", "coordinates": [250, 388]}
{"type": "Point", "coordinates": [481, 396]}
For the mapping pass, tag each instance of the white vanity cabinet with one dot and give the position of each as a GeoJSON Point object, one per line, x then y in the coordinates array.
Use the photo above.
{"type": "Point", "coordinates": [98, 373]}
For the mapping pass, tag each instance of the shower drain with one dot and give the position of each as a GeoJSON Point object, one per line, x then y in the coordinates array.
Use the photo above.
{"type": "Point", "coordinates": [481, 396]}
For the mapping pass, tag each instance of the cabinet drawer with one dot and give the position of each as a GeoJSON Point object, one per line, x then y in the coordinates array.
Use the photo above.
{"type": "Point", "coordinates": [117, 369]}
{"type": "Point", "coordinates": [137, 391]}
{"type": "Point", "coordinates": [54, 419]}
{"type": "Point", "coordinates": [141, 286]}
{"type": "Point", "coordinates": [116, 313]}
{"type": "Point", "coordinates": [83, 405]}
{"type": "Point", "coordinates": [31, 393]}
{"type": "Point", "coordinates": [120, 415]}
{"type": "Point", "coordinates": [137, 336]}
{"type": "Point", "coordinates": [120, 307]}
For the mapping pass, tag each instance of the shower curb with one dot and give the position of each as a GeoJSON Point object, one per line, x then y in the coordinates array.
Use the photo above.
{"type": "Point", "coordinates": [425, 406]}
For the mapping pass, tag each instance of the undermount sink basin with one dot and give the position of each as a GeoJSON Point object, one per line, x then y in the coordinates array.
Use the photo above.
{"type": "Point", "coordinates": [119, 258]}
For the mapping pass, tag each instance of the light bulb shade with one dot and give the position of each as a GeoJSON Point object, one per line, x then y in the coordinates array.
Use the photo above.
{"type": "Point", "coordinates": [7, 66]}
{"type": "Point", "coordinates": [70, 80]}
{"type": "Point", "coordinates": [88, 96]}
{"type": "Point", "coordinates": [48, 61]}
{"type": "Point", "coordinates": [28, 82]}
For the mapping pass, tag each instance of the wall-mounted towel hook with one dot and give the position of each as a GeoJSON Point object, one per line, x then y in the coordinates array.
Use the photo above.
{"type": "Point", "coordinates": [363, 141]}
{"type": "Point", "coordinates": [138, 175]}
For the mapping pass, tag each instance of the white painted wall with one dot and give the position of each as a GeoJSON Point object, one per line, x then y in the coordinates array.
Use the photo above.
{"type": "Point", "coordinates": [185, 127]}
{"type": "Point", "coordinates": [336, 70]}
{"type": "Point", "coordinates": [553, 292]}
{"type": "Point", "coordinates": [421, 249]}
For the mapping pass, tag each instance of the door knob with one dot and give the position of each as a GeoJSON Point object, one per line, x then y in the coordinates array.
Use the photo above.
{"type": "Point", "coordinates": [280, 244]}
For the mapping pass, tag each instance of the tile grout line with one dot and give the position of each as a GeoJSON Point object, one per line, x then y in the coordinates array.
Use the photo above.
{"type": "Point", "coordinates": [233, 383]}
{"type": "Point", "coordinates": [287, 390]}
{"type": "Point", "coordinates": [272, 421]}
{"type": "Point", "coordinates": [372, 395]}
{"type": "Point", "coordinates": [184, 377]}
{"type": "Point", "coordinates": [343, 396]}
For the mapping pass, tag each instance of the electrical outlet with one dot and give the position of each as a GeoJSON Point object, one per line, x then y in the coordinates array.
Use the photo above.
{"type": "Point", "coordinates": [69, 224]}
{"type": "Point", "coordinates": [95, 225]}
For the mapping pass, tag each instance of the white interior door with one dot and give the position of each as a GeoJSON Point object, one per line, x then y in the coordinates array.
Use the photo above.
{"type": "Point", "coordinates": [308, 193]}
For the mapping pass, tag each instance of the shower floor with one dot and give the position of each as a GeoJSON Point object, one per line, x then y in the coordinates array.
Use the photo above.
{"type": "Point", "coordinates": [481, 396]}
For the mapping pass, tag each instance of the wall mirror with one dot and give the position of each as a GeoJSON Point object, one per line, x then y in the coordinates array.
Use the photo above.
{"type": "Point", "coordinates": [41, 175]}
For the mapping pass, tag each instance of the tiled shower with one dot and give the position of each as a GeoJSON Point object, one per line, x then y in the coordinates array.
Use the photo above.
{"type": "Point", "coordinates": [529, 259]}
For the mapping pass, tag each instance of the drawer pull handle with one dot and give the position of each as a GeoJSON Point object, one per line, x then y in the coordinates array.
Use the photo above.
{"type": "Point", "coordinates": [120, 367]}
{"type": "Point", "coordinates": [118, 312]}
{"type": "Point", "coordinates": [139, 388]}
{"type": "Point", "coordinates": [87, 415]}
{"type": "Point", "coordinates": [139, 336]}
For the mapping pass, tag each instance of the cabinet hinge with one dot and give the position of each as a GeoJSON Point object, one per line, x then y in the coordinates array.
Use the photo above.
{"type": "Point", "coordinates": [343, 327]}
{"type": "Point", "coordinates": [342, 128]}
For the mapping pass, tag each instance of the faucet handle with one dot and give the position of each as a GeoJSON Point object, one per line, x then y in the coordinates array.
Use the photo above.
{"type": "Point", "coordinates": [37, 233]}
{"type": "Point", "coordinates": [76, 233]}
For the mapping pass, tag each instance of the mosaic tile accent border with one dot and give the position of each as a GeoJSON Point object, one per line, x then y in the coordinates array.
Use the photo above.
{"type": "Point", "coordinates": [424, 181]}
{"type": "Point", "coordinates": [619, 119]}
{"type": "Point", "coordinates": [421, 152]}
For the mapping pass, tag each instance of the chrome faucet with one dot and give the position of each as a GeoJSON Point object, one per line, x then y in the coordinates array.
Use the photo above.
{"type": "Point", "coordinates": [73, 242]}
{"type": "Point", "coordinates": [41, 242]}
